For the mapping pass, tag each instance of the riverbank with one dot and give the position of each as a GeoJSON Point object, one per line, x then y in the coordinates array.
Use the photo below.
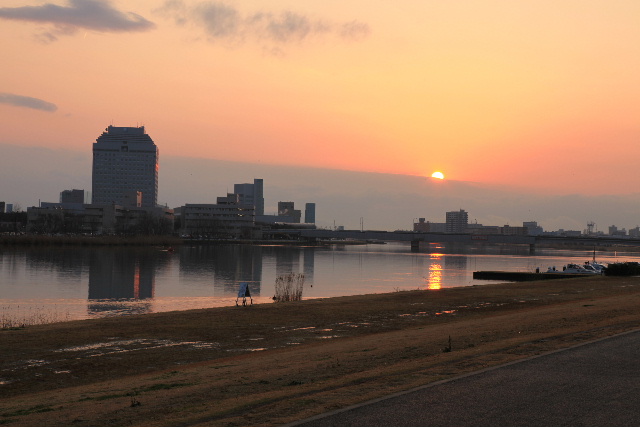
{"type": "Point", "coordinates": [26, 239]}
{"type": "Point", "coordinates": [273, 363]}
{"type": "Point", "coordinates": [82, 240]}
{"type": "Point", "coordinates": [108, 240]}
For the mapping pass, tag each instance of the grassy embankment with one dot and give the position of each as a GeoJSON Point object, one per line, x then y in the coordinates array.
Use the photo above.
{"type": "Point", "coordinates": [273, 363]}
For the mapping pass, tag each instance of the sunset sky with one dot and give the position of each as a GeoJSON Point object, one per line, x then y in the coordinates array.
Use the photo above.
{"type": "Point", "coordinates": [540, 94]}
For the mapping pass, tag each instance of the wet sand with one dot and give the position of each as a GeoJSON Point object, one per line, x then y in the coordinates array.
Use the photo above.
{"type": "Point", "coordinates": [274, 363]}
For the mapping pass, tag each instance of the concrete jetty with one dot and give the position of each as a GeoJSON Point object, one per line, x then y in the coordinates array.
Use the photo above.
{"type": "Point", "coordinates": [523, 276]}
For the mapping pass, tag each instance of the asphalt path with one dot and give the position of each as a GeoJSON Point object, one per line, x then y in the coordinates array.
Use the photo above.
{"type": "Point", "coordinates": [593, 384]}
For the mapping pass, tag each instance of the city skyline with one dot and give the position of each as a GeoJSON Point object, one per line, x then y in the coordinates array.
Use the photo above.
{"type": "Point", "coordinates": [381, 201]}
{"type": "Point", "coordinates": [537, 98]}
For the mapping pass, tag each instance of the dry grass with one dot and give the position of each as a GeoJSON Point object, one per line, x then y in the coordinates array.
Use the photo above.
{"type": "Point", "coordinates": [15, 317]}
{"type": "Point", "coordinates": [289, 287]}
{"type": "Point", "coordinates": [204, 367]}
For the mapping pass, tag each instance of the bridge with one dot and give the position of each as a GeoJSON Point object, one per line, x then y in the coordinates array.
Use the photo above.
{"type": "Point", "coordinates": [416, 238]}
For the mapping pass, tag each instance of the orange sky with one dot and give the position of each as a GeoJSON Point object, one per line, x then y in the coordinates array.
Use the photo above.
{"type": "Point", "coordinates": [541, 94]}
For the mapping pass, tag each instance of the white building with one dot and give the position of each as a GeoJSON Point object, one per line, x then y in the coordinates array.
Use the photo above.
{"type": "Point", "coordinates": [125, 159]}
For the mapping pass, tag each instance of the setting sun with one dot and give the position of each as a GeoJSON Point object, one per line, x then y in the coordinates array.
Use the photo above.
{"type": "Point", "coordinates": [438, 175]}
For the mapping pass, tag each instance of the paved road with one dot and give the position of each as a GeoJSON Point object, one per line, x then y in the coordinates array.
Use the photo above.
{"type": "Point", "coordinates": [597, 384]}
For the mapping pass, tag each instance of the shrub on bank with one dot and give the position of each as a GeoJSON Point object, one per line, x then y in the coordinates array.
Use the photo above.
{"type": "Point", "coordinates": [289, 287]}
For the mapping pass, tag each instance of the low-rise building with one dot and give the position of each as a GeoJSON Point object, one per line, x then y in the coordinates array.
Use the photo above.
{"type": "Point", "coordinates": [421, 226]}
{"type": "Point", "coordinates": [507, 230]}
{"type": "Point", "coordinates": [287, 210]}
{"type": "Point", "coordinates": [72, 196]}
{"type": "Point", "coordinates": [533, 228]}
{"type": "Point", "coordinates": [220, 220]}
{"type": "Point", "coordinates": [99, 219]}
{"type": "Point", "coordinates": [424, 226]}
{"type": "Point", "coordinates": [569, 233]}
{"type": "Point", "coordinates": [616, 232]}
{"type": "Point", "coordinates": [483, 229]}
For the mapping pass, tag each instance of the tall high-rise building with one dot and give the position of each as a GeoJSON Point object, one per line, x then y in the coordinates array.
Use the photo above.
{"type": "Point", "coordinates": [310, 213]}
{"type": "Point", "coordinates": [457, 221]}
{"type": "Point", "coordinates": [125, 159]}
{"type": "Point", "coordinates": [251, 194]}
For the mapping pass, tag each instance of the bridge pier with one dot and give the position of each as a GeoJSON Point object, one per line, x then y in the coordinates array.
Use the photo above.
{"type": "Point", "coordinates": [532, 248]}
{"type": "Point", "coordinates": [415, 246]}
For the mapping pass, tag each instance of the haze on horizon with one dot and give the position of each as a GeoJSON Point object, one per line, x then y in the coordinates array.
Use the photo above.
{"type": "Point", "coordinates": [539, 96]}
{"type": "Point", "coordinates": [381, 201]}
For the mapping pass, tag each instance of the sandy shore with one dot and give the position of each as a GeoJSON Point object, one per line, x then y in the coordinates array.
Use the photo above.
{"type": "Point", "coordinates": [274, 363]}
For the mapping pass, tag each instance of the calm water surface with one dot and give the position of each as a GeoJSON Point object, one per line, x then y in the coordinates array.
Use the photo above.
{"type": "Point", "coordinates": [80, 283]}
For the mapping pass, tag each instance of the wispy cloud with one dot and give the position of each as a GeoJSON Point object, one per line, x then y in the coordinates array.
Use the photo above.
{"type": "Point", "coordinates": [96, 15]}
{"type": "Point", "coordinates": [27, 102]}
{"type": "Point", "coordinates": [223, 22]}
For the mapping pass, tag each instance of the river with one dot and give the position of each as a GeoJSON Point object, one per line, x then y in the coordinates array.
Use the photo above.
{"type": "Point", "coordinates": [44, 284]}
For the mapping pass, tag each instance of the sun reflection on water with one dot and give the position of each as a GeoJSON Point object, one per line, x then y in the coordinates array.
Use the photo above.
{"type": "Point", "coordinates": [434, 281]}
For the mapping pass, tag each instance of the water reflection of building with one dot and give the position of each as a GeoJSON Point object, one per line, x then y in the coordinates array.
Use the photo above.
{"type": "Point", "coordinates": [309, 264]}
{"type": "Point", "coordinates": [287, 260]}
{"type": "Point", "coordinates": [240, 263]}
{"type": "Point", "coordinates": [66, 261]}
{"type": "Point", "coordinates": [121, 275]}
{"type": "Point", "coordinates": [227, 265]}
{"type": "Point", "coordinates": [455, 262]}
{"type": "Point", "coordinates": [118, 278]}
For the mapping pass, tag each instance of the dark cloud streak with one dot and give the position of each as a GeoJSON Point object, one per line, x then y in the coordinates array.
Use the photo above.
{"type": "Point", "coordinates": [288, 26]}
{"type": "Point", "coordinates": [96, 15]}
{"type": "Point", "coordinates": [27, 102]}
{"type": "Point", "coordinates": [219, 20]}
{"type": "Point", "coordinates": [222, 22]}
{"type": "Point", "coordinates": [354, 30]}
